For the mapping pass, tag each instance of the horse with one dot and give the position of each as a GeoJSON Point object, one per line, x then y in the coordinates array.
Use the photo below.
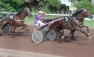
{"type": "Point", "coordinates": [71, 23]}
{"type": "Point", "coordinates": [80, 15]}
{"type": "Point", "coordinates": [17, 20]}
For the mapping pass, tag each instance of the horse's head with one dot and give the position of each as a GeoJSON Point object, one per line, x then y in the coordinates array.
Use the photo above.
{"type": "Point", "coordinates": [87, 13]}
{"type": "Point", "coordinates": [27, 11]}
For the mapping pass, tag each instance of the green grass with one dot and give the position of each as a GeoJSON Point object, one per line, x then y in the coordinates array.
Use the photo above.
{"type": "Point", "coordinates": [30, 20]}
{"type": "Point", "coordinates": [89, 23]}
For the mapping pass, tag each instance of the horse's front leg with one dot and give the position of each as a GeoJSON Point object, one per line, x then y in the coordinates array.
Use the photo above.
{"type": "Point", "coordinates": [87, 34]}
{"type": "Point", "coordinates": [87, 29]}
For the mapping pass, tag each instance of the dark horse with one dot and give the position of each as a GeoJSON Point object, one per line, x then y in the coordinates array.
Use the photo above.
{"type": "Point", "coordinates": [17, 20]}
{"type": "Point", "coordinates": [73, 23]}
{"type": "Point", "coordinates": [80, 15]}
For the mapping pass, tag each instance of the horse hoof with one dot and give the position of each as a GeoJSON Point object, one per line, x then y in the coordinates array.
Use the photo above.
{"type": "Point", "coordinates": [89, 37]}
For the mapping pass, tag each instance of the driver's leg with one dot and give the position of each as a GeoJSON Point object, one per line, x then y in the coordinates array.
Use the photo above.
{"type": "Point", "coordinates": [41, 23]}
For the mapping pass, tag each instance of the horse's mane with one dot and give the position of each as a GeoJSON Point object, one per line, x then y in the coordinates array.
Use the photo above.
{"type": "Point", "coordinates": [77, 13]}
{"type": "Point", "coordinates": [19, 12]}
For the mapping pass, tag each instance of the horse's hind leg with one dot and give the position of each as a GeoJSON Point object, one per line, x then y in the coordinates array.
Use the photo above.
{"type": "Point", "coordinates": [61, 39]}
{"type": "Point", "coordinates": [13, 32]}
{"type": "Point", "coordinates": [26, 28]}
{"type": "Point", "coordinates": [64, 38]}
{"type": "Point", "coordinates": [71, 35]}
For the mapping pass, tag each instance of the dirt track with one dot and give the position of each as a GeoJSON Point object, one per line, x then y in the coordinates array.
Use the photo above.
{"type": "Point", "coordinates": [82, 47]}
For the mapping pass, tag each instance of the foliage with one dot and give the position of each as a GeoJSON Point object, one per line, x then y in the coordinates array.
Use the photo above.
{"type": "Point", "coordinates": [19, 2]}
{"type": "Point", "coordinates": [55, 3]}
{"type": "Point", "coordinates": [85, 4]}
{"type": "Point", "coordinates": [15, 5]}
{"type": "Point", "coordinates": [11, 5]}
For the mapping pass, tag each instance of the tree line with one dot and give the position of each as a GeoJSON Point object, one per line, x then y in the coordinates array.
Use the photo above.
{"type": "Point", "coordinates": [51, 5]}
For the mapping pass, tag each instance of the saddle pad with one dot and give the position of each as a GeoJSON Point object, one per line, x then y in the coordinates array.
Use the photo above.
{"type": "Point", "coordinates": [11, 17]}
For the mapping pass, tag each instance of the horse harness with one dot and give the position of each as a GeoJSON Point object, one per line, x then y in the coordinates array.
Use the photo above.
{"type": "Point", "coordinates": [69, 21]}
{"type": "Point", "coordinates": [13, 16]}
{"type": "Point", "coordinates": [19, 19]}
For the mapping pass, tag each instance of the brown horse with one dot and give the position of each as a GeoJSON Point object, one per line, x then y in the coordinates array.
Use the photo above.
{"type": "Point", "coordinates": [17, 20]}
{"type": "Point", "coordinates": [5, 28]}
{"type": "Point", "coordinates": [73, 23]}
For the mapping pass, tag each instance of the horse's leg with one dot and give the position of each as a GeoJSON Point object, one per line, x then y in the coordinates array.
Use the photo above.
{"type": "Point", "coordinates": [85, 33]}
{"type": "Point", "coordinates": [14, 29]}
{"type": "Point", "coordinates": [71, 35]}
{"type": "Point", "coordinates": [87, 29]}
{"type": "Point", "coordinates": [13, 32]}
{"type": "Point", "coordinates": [67, 38]}
{"type": "Point", "coordinates": [63, 38]}
{"type": "Point", "coordinates": [26, 28]}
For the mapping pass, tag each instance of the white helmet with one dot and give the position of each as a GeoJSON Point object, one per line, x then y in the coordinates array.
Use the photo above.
{"type": "Point", "coordinates": [40, 12]}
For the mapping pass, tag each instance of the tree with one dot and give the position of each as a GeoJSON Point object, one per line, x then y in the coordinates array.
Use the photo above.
{"type": "Point", "coordinates": [85, 4]}
{"type": "Point", "coordinates": [19, 2]}
{"type": "Point", "coordinates": [12, 5]}
{"type": "Point", "coordinates": [55, 3]}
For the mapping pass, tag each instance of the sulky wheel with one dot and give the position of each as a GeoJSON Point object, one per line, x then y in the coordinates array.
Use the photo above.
{"type": "Point", "coordinates": [51, 35]}
{"type": "Point", "coordinates": [6, 29]}
{"type": "Point", "coordinates": [0, 32]}
{"type": "Point", "coordinates": [37, 36]}
{"type": "Point", "coordinates": [44, 31]}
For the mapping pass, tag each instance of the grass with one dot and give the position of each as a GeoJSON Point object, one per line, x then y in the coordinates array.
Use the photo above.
{"type": "Point", "coordinates": [89, 23]}
{"type": "Point", "coordinates": [30, 20]}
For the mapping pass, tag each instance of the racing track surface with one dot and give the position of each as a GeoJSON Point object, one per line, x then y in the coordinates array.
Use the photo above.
{"type": "Point", "coordinates": [82, 47]}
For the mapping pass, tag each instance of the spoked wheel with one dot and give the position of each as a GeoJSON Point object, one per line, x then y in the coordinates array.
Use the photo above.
{"type": "Point", "coordinates": [44, 31]}
{"type": "Point", "coordinates": [7, 29]}
{"type": "Point", "coordinates": [0, 32]}
{"type": "Point", "coordinates": [37, 36]}
{"type": "Point", "coordinates": [51, 35]}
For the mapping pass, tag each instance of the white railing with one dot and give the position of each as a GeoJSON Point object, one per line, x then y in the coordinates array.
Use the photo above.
{"type": "Point", "coordinates": [36, 13]}
{"type": "Point", "coordinates": [46, 14]}
{"type": "Point", "coordinates": [52, 16]}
